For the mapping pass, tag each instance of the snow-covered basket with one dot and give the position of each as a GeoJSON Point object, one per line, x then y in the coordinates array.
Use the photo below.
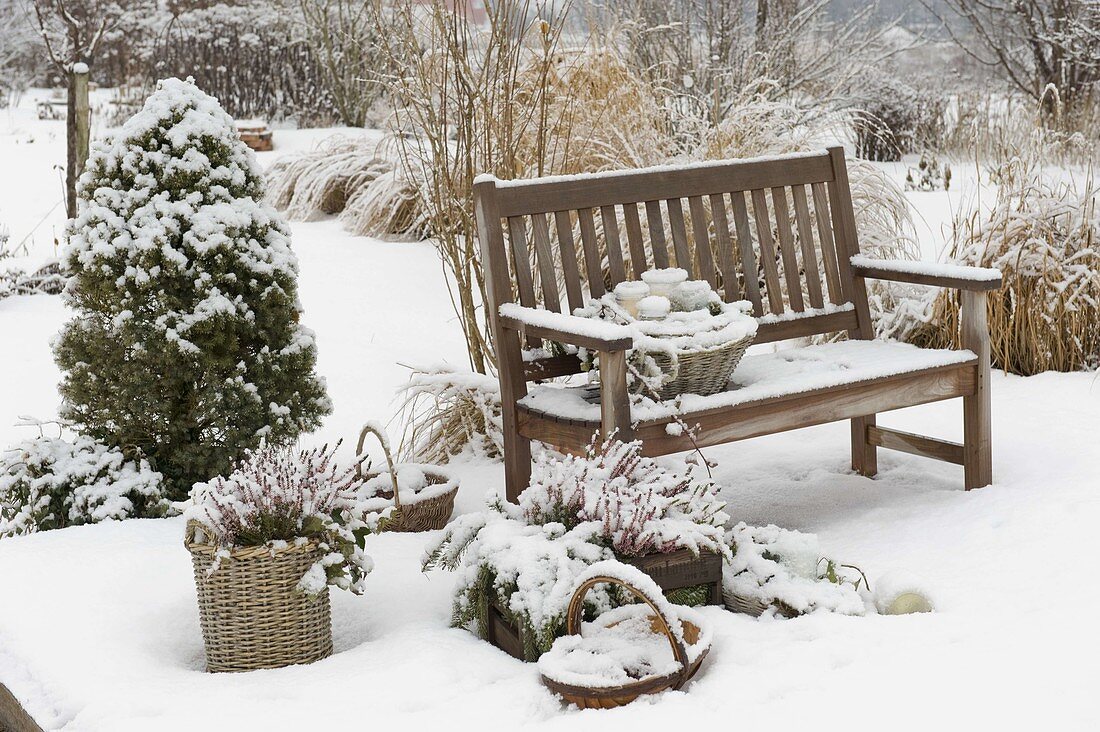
{"type": "Point", "coordinates": [627, 652]}
{"type": "Point", "coordinates": [411, 497]}
{"type": "Point", "coordinates": [693, 350]}
{"type": "Point", "coordinates": [252, 612]}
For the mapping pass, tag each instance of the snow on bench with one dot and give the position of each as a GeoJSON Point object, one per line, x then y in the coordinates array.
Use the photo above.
{"type": "Point", "coordinates": [768, 375]}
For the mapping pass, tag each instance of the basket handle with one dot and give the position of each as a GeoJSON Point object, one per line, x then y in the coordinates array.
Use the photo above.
{"type": "Point", "coordinates": [576, 606]}
{"type": "Point", "coordinates": [370, 428]}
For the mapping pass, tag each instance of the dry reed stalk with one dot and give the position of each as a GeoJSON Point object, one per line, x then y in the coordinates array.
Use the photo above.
{"type": "Point", "coordinates": [445, 412]}
{"type": "Point", "coordinates": [1042, 235]}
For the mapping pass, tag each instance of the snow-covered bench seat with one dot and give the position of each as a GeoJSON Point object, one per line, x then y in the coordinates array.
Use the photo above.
{"type": "Point", "coordinates": [778, 232]}
{"type": "Point", "coordinates": [764, 379]}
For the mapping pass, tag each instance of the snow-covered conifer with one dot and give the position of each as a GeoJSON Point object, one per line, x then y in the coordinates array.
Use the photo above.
{"type": "Point", "coordinates": [186, 341]}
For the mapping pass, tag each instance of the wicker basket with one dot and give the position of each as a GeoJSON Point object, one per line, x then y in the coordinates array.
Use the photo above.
{"type": "Point", "coordinates": [703, 372]}
{"type": "Point", "coordinates": [752, 606]}
{"type": "Point", "coordinates": [616, 696]}
{"type": "Point", "coordinates": [251, 612]}
{"type": "Point", "coordinates": [427, 514]}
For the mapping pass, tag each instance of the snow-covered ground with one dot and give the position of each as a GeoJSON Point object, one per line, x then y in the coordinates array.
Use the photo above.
{"type": "Point", "coordinates": [99, 626]}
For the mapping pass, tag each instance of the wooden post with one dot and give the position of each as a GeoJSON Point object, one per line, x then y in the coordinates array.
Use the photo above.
{"type": "Point", "coordinates": [77, 132]}
{"type": "Point", "coordinates": [614, 401]}
{"type": "Point", "coordinates": [513, 380]}
{"type": "Point", "coordinates": [864, 454]}
{"type": "Point", "coordinates": [977, 414]}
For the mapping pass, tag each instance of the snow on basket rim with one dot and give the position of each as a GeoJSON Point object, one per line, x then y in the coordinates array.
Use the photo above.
{"type": "Point", "coordinates": [598, 660]}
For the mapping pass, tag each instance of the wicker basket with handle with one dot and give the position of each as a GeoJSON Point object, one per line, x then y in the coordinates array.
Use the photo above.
{"type": "Point", "coordinates": [704, 371]}
{"type": "Point", "coordinates": [607, 697]}
{"type": "Point", "coordinates": [420, 514]}
{"type": "Point", "coordinates": [252, 613]}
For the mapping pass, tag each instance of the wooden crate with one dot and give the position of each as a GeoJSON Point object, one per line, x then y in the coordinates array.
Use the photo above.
{"type": "Point", "coordinates": [256, 136]}
{"type": "Point", "coordinates": [681, 569]}
{"type": "Point", "coordinates": [670, 571]}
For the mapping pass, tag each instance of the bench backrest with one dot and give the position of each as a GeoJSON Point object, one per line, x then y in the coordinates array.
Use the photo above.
{"type": "Point", "coordinates": [778, 232]}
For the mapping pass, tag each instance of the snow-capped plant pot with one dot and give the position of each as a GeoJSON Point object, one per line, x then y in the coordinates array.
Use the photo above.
{"type": "Point", "coordinates": [252, 612]}
{"type": "Point", "coordinates": [423, 496]}
{"type": "Point", "coordinates": [266, 542]}
{"type": "Point", "coordinates": [626, 651]}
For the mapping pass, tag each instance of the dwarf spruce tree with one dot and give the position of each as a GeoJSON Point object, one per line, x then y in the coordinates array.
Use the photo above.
{"type": "Point", "coordinates": [186, 341]}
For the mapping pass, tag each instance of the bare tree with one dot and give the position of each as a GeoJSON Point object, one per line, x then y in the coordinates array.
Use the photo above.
{"type": "Point", "coordinates": [18, 51]}
{"type": "Point", "coordinates": [1037, 45]}
{"type": "Point", "coordinates": [347, 40]}
{"type": "Point", "coordinates": [71, 31]}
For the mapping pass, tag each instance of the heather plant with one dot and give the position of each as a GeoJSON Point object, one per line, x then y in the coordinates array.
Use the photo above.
{"type": "Point", "coordinates": [278, 495]}
{"type": "Point", "coordinates": [187, 341]}
{"type": "Point", "coordinates": [524, 560]}
{"type": "Point", "coordinates": [636, 504]}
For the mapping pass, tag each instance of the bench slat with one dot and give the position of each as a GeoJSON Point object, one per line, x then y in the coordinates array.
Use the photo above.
{"type": "Point", "coordinates": [730, 292]}
{"type": "Point", "coordinates": [828, 244]}
{"type": "Point", "coordinates": [634, 238]}
{"type": "Point", "coordinates": [611, 189]}
{"type": "Point", "coordinates": [656, 234]}
{"type": "Point", "coordinates": [544, 256]}
{"type": "Point", "coordinates": [748, 254]}
{"type": "Point", "coordinates": [568, 250]}
{"type": "Point", "coordinates": [806, 241]}
{"type": "Point", "coordinates": [593, 264]}
{"type": "Point", "coordinates": [614, 247]}
{"type": "Point", "coordinates": [704, 258]}
{"type": "Point", "coordinates": [521, 260]}
{"type": "Point", "coordinates": [786, 248]}
{"type": "Point", "coordinates": [679, 235]}
{"type": "Point", "coordinates": [767, 251]}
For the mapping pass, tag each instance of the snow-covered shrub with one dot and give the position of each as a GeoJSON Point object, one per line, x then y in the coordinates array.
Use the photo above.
{"type": "Point", "coordinates": [527, 572]}
{"type": "Point", "coordinates": [1044, 236]}
{"type": "Point", "coordinates": [784, 570]}
{"type": "Point", "coordinates": [186, 342]}
{"type": "Point", "coordinates": [253, 57]}
{"type": "Point", "coordinates": [279, 495]}
{"type": "Point", "coordinates": [639, 505]}
{"type": "Point", "coordinates": [50, 483]}
{"type": "Point", "coordinates": [577, 511]}
{"type": "Point", "coordinates": [929, 175]}
{"type": "Point", "coordinates": [448, 412]}
{"type": "Point", "coordinates": [896, 119]}
{"type": "Point", "coordinates": [46, 280]}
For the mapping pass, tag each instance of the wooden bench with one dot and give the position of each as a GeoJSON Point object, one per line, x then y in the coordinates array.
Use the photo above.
{"type": "Point", "coordinates": [792, 251]}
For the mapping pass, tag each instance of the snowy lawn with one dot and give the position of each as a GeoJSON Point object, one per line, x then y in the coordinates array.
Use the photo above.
{"type": "Point", "coordinates": [99, 624]}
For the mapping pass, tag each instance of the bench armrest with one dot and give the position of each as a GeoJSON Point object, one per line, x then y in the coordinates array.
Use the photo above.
{"type": "Point", "coordinates": [973, 279]}
{"type": "Point", "coordinates": [564, 328]}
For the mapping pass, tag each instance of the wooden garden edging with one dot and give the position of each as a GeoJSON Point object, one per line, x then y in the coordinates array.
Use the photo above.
{"type": "Point", "coordinates": [13, 717]}
{"type": "Point", "coordinates": [796, 261]}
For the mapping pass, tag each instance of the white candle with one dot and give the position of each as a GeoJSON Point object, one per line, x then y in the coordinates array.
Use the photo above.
{"type": "Point", "coordinates": [629, 293]}
{"type": "Point", "coordinates": [661, 281]}
{"type": "Point", "coordinates": [654, 307]}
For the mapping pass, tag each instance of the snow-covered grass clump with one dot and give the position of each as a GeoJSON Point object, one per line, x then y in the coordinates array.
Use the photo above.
{"type": "Point", "coordinates": [784, 570]}
{"type": "Point", "coordinates": [280, 495]}
{"type": "Point", "coordinates": [51, 483]}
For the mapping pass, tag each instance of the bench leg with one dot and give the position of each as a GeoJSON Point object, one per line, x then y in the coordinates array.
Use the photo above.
{"type": "Point", "coordinates": [977, 416]}
{"type": "Point", "coordinates": [864, 454]}
{"type": "Point", "coordinates": [517, 464]}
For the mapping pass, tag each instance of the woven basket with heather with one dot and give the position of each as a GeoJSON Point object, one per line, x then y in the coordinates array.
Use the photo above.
{"type": "Point", "coordinates": [266, 542]}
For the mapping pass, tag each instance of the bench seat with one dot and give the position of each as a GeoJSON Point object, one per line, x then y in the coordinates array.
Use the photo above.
{"type": "Point", "coordinates": [768, 392]}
